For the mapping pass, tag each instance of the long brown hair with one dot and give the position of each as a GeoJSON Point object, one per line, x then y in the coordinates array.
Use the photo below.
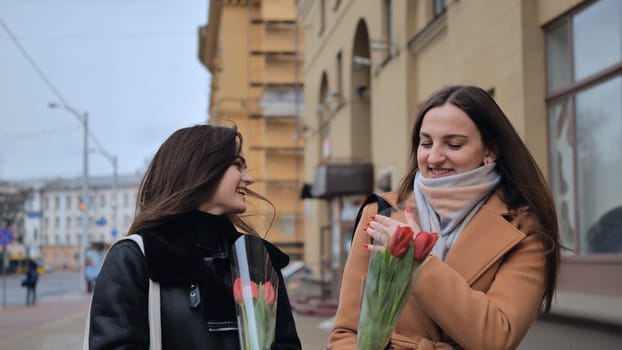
{"type": "Point", "coordinates": [186, 170]}
{"type": "Point", "coordinates": [522, 183]}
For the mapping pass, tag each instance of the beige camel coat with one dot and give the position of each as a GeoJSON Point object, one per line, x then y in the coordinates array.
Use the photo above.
{"type": "Point", "coordinates": [485, 295]}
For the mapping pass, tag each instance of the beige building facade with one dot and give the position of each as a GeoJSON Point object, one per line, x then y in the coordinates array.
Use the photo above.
{"type": "Point", "coordinates": [253, 50]}
{"type": "Point", "coordinates": [555, 68]}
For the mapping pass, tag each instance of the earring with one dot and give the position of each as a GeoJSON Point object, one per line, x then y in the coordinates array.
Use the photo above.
{"type": "Point", "coordinates": [487, 161]}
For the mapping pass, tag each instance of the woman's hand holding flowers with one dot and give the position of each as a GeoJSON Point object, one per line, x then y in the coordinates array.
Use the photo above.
{"type": "Point", "coordinates": [396, 252]}
{"type": "Point", "coordinates": [380, 226]}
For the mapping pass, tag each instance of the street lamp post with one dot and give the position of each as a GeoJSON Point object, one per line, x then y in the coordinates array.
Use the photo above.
{"type": "Point", "coordinates": [115, 189]}
{"type": "Point", "coordinates": [84, 205]}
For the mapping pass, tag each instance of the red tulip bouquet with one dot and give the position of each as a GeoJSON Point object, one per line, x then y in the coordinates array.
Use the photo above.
{"type": "Point", "coordinates": [389, 282]}
{"type": "Point", "coordinates": [255, 286]}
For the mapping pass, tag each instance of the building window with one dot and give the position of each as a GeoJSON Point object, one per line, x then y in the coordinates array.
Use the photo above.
{"type": "Point", "coordinates": [68, 202]}
{"type": "Point", "coordinates": [439, 7]}
{"type": "Point", "coordinates": [126, 200]}
{"type": "Point", "coordinates": [584, 85]}
{"type": "Point", "coordinates": [56, 202]}
{"type": "Point", "coordinates": [102, 201]}
{"type": "Point", "coordinates": [45, 203]}
{"type": "Point", "coordinates": [276, 102]}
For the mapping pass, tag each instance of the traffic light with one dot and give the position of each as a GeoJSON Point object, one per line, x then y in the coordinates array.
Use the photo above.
{"type": "Point", "coordinates": [82, 206]}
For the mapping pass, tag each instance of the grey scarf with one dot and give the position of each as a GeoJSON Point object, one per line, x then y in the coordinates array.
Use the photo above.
{"type": "Point", "coordinates": [447, 204]}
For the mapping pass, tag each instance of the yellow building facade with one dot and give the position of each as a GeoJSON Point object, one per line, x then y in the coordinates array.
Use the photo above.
{"type": "Point", "coordinates": [253, 50]}
{"type": "Point", "coordinates": [549, 64]}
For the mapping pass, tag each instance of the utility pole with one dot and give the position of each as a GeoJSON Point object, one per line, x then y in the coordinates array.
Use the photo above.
{"type": "Point", "coordinates": [84, 205]}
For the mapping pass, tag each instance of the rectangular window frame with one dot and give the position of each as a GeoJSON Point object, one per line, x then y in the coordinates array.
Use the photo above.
{"type": "Point", "coordinates": [594, 273]}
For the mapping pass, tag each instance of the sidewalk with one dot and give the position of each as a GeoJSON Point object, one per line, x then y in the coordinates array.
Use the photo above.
{"type": "Point", "coordinates": [53, 323]}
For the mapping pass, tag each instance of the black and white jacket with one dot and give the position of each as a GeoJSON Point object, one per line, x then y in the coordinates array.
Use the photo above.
{"type": "Point", "coordinates": [190, 259]}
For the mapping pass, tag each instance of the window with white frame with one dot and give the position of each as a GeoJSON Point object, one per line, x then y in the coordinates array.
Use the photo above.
{"type": "Point", "coordinates": [584, 101]}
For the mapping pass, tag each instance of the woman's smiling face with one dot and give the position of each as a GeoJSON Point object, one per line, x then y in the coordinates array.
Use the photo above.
{"type": "Point", "coordinates": [230, 195]}
{"type": "Point", "coordinates": [450, 143]}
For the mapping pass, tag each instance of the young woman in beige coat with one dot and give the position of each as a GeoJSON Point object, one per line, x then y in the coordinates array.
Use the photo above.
{"type": "Point", "coordinates": [494, 267]}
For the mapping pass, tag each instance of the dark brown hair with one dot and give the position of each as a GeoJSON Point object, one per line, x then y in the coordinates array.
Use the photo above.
{"type": "Point", "coordinates": [522, 182]}
{"type": "Point", "coordinates": [186, 170]}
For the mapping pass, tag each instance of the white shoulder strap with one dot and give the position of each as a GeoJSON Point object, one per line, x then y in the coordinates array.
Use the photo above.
{"type": "Point", "coordinates": [155, 324]}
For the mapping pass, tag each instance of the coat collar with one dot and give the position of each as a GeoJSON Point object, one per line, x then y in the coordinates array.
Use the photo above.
{"type": "Point", "coordinates": [487, 238]}
{"type": "Point", "coordinates": [484, 240]}
{"type": "Point", "coordinates": [175, 252]}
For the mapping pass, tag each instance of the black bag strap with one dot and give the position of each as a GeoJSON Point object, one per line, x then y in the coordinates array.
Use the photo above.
{"type": "Point", "coordinates": [384, 208]}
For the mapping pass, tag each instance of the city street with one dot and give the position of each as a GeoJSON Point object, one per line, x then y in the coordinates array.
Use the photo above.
{"type": "Point", "coordinates": [50, 284]}
{"type": "Point", "coordinates": [57, 319]}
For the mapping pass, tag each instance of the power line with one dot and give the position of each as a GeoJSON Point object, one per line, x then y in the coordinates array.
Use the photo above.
{"type": "Point", "coordinates": [46, 80]}
{"type": "Point", "coordinates": [33, 63]}
{"type": "Point", "coordinates": [96, 142]}
{"type": "Point", "coordinates": [38, 133]}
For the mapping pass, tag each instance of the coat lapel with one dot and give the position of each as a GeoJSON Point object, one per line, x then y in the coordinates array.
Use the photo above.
{"type": "Point", "coordinates": [487, 238]}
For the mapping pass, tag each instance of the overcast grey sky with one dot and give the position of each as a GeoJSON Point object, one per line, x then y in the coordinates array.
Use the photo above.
{"type": "Point", "coordinates": [132, 64]}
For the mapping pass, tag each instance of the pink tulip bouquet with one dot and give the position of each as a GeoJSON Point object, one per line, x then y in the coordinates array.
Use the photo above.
{"type": "Point", "coordinates": [257, 313]}
{"type": "Point", "coordinates": [255, 288]}
{"type": "Point", "coordinates": [389, 283]}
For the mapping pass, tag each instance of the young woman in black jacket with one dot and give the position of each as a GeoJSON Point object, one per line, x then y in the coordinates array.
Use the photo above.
{"type": "Point", "coordinates": [189, 210]}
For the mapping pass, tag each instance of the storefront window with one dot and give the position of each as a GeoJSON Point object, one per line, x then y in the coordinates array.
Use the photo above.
{"type": "Point", "coordinates": [597, 33]}
{"type": "Point", "coordinates": [558, 51]}
{"type": "Point", "coordinates": [599, 165]}
{"type": "Point", "coordinates": [584, 81]}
